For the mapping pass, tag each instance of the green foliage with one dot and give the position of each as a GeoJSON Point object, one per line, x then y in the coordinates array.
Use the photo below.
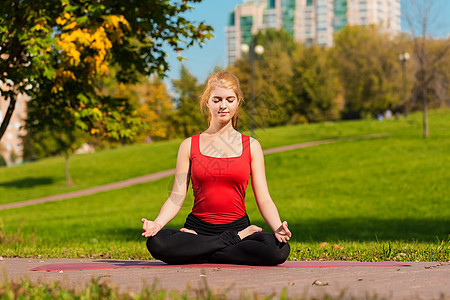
{"type": "Point", "coordinates": [45, 142]}
{"type": "Point", "coordinates": [293, 83]}
{"type": "Point", "coordinates": [316, 86]}
{"type": "Point", "coordinates": [360, 77]}
{"type": "Point", "coordinates": [155, 109]}
{"type": "Point", "coordinates": [55, 53]}
{"type": "Point", "coordinates": [188, 120]}
{"type": "Point", "coordinates": [272, 73]}
{"type": "Point", "coordinates": [438, 91]}
{"type": "Point", "coordinates": [2, 161]}
{"type": "Point", "coordinates": [369, 69]}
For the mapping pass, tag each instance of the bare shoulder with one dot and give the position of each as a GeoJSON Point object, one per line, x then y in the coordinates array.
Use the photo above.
{"type": "Point", "coordinates": [255, 147]}
{"type": "Point", "coordinates": [185, 148]}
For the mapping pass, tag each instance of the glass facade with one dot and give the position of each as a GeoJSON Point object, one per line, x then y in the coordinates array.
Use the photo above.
{"type": "Point", "coordinates": [287, 13]}
{"type": "Point", "coordinates": [246, 29]}
{"type": "Point", "coordinates": [340, 14]}
{"type": "Point", "coordinates": [231, 18]}
{"type": "Point", "coordinates": [311, 22]}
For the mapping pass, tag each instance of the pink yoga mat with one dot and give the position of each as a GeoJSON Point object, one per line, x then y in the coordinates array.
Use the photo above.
{"type": "Point", "coordinates": [119, 264]}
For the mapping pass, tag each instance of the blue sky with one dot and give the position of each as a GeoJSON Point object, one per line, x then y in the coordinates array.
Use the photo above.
{"type": "Point", "coordinates": [201, 61]}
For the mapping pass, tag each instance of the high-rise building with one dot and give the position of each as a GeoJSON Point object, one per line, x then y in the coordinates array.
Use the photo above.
{"type": "Point", "coordinates": [309, 21]}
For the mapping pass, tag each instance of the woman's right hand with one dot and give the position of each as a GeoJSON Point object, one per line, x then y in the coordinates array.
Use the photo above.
{"type": "Point", "coordinates": [150, 228]}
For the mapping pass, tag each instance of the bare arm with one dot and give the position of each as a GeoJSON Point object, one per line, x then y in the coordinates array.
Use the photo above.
{"type": "Point", "coordinates": [265, 203]}
{"type": "Point", "coordinates": [176, 198]}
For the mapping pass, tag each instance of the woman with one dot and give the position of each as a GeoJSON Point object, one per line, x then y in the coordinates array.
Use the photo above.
{"type": "Point", "coordinates": [220, 162]}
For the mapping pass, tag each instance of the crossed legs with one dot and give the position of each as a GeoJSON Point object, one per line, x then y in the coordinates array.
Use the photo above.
{"type": "Point", "coordinates": [177, 247]}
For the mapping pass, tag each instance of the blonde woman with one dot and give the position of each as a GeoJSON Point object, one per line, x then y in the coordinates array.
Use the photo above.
{"type": "Point", "coordinates": [219, 162]}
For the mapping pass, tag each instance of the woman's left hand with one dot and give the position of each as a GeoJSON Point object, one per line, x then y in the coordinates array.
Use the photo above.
{"type": "Point", "coordinates": [282, 233]}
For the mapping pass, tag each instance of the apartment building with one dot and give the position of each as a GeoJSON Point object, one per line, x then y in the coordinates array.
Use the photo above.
{"type": "Point", "coordinates": [11, 147]}
{"type": "Point", "coordinates": [309, 21]}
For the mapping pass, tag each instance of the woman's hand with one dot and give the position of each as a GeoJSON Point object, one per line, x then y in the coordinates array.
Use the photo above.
{"type": "Point", "coordinates": [282, 233]}
{"type": "Point", "coordinates": [150, 228]}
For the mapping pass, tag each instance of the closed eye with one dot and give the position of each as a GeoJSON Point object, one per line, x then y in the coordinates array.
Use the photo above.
{"type": "Point", "coordinates": [230, 99]}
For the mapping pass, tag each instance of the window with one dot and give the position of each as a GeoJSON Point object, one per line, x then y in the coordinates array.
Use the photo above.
{"type": "Point", "coordinates": [231, 19]}
{"type": "Point", "coordinates": [246, 29]}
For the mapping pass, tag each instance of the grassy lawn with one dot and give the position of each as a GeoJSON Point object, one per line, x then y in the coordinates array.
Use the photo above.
{"type": "Point", "coordinates": [46, 177]}
{"type": "Point", "coordinates": [377, 199]}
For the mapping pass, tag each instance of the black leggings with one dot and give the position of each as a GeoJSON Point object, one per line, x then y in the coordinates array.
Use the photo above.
{"type": "Point", "coordinates": [176, 247]}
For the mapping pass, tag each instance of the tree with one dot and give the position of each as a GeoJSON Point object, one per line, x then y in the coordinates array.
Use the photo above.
{"type": "Point", "coordinates": [189, 119]}
{"type": "Point", "coordinates": [272, 70]}
{"type": "Point", "coordinates": [420, 17]}
{"type": "Point", "coordinates": [25, 42]}
{"type": "Point", "coordinates": [155, 108]}
{"type": "Point", "coordinates": [316, 86]}
{"type": "Point", "coordinates": [368, 69]}
{"type": "Point", "coordinates": [65, 46]}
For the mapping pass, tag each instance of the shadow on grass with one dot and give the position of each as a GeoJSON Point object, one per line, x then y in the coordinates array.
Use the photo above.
{"type": "Point", "coordinates": [28, 182]}
{"type": "Point", "coordinates": [346, 229]}
{"type": "Point", "coordinates": [371, 229]}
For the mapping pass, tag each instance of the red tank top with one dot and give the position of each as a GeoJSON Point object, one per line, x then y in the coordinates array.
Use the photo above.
{"type": "Point", "coordinates": [219, 184]}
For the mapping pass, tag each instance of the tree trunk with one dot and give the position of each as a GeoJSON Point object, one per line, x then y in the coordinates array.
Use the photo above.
{"type": "Point", "coordinates": [425, 117]}
{"type": "Point", "coordinates": [9, 112]}
{"type": "Point", "coordinates": [425, 99]}
{"type": "Point", "coordinates": [67, 171]}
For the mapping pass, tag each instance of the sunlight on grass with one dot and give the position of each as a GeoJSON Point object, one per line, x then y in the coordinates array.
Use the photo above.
{"type": "Point", "coordinates": [378, 199]}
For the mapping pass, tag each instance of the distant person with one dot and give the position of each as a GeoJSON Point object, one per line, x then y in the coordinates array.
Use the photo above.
{"type": "Point", "coordinates": [219, 161]}
{"type": "Point", "coordinates": [388, 114]}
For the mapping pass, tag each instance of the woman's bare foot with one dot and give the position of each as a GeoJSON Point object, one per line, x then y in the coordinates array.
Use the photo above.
{"type": "Point", "coordinates": [249, 231]}
{"type": "Point", "coordinates": [188, 230]}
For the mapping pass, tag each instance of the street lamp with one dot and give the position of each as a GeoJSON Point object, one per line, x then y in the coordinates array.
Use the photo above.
{"type": "Point", "coordinates": [404, 57]}
{"type": "Point", "coordinates": [252, 49]}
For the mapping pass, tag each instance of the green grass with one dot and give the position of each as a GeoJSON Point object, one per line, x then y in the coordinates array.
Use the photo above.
{"type": "Point", "coordinates": [102, 289]}
{"type": "Point", "coordinates": [46, 177]}
{"type": "Point", "coordinates": [379, 199]}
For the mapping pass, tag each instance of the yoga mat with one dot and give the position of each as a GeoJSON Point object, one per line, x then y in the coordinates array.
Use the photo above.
{"type": "Point", "coordinates": [118, 264]}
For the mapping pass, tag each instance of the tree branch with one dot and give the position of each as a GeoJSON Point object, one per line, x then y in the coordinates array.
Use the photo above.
{"type": "Point", "coordinates": [8, 115]}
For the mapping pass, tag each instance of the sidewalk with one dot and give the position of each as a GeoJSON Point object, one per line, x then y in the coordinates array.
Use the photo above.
{"type": "Point", "coordinates": [423, 280]}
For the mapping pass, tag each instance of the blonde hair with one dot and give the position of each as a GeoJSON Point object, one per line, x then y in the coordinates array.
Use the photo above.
{"type": "Point", "coordinates": [225, 80]}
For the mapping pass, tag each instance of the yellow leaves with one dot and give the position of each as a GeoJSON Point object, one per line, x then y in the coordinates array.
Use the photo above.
{"type": "Point", "coordinates": [96, 113]}
{"type": "Point", "coordinates": [67, 17]}
{"type": "Point", "coordinates": [115, 20]}
{"type": "Point", "coordinates": [70, 26]}
{"type": "Point", "coordinates": [94, 43]}
{"type": "Point", "coordinates": [61, 77]}
{"type": "Point", "coordinates": [60, 21]}
{"type": "Point", "coordinates": [94, 131]}
{"type": "Point", "coordinates": [88, 45]}
{"type": "Point", "coordinates": [112, 24]}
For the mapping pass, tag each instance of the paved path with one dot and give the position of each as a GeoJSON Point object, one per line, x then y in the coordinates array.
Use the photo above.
{"type": "Point", "coordinates": [162, 174]}
{"type": "Point", "coordinates": [423, 280]}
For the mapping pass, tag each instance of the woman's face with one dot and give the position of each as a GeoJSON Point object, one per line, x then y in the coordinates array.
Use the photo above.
{"type": "Point", "coordinates": [222, 104]}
